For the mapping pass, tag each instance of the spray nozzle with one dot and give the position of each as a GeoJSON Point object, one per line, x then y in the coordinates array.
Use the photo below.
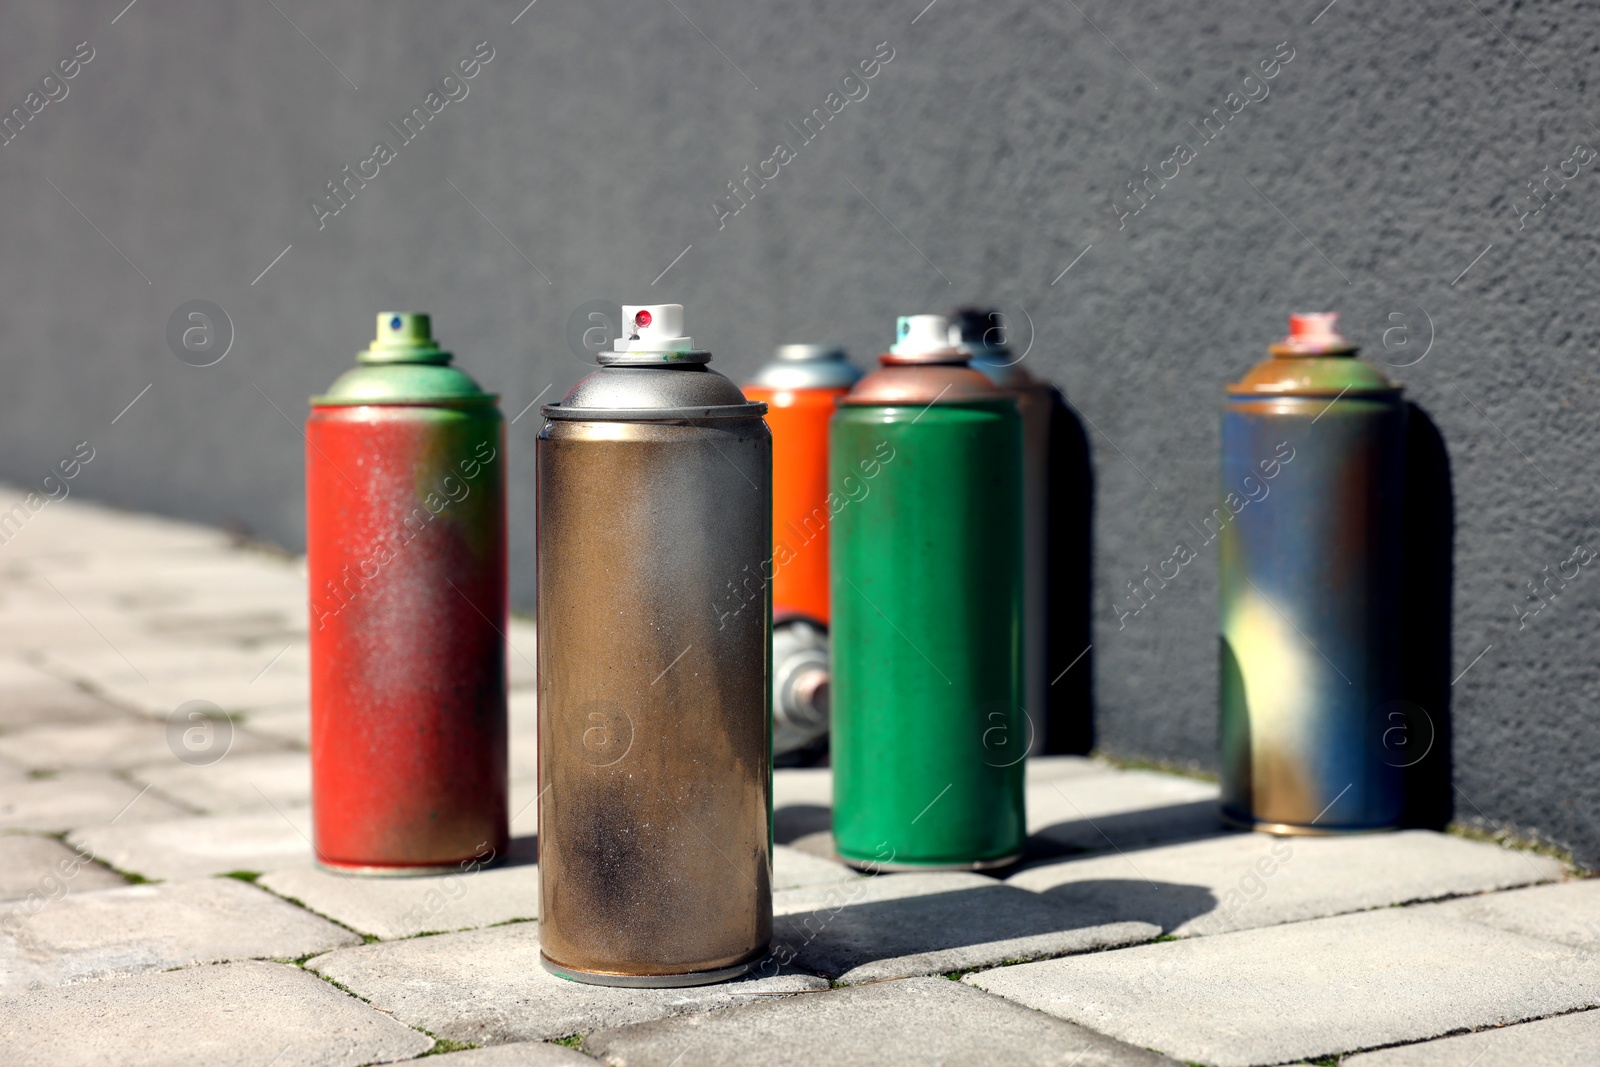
{"type": "Point", "coordinates": [653, 328]}
{"type": "Point", "coordinates": [978, 329]}
{"type": "Point", "coordinates": [404, 337]}
{"type": "Point", "coordinates": [917, 335]}
{"type": "Point", "coordinates": [1315, 333]}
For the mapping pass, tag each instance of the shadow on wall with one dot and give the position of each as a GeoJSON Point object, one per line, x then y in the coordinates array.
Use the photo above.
{"type": "Point", "coordinates": [1070, 525]}
{"type": "Point", "coordinates": [1426, 603]}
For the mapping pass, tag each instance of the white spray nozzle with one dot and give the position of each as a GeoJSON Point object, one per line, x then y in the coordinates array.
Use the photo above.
{"type": "Point", "coordinates": [653, 328]}
{"type": "Point", "coordinates": [1314, 328]}
{"type": "Point", "coordinates": [917, 335]}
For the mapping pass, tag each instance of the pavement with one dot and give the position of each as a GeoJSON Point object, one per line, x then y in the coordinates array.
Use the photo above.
{"type": "Point", "coordinates": [159, 905]}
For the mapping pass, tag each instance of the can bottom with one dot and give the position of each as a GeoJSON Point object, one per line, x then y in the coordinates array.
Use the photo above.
{"type": "Point", "coordinates": [386, 871]}
{"type": "Point", "coordinates": [1289, 829]}
{"type": "Point", "coordinates": [645, 981]}
{"type": "Point", "coordinates": [931, 865]}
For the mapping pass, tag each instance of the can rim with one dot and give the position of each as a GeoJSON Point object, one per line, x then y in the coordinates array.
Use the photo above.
{"type": "Point", "coordinates": [649, 981]}
{"type": "Point", "coordinates": [748, 410]}
{"type": "Point", "coordinates": [1315, 392]}
{"type": "Point", "coordinates": [483, 400]}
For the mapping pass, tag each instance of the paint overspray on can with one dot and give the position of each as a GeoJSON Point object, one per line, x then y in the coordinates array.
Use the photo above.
{"type": "Point", "coordinates": [981, 333]}
{"type": "Point", "coordinates": [406, 550]}
{"type": "Point", "coordinates": [929, 734]}
{"type": "Point", "coordinates": [1313, 480]}
{"type": "Point", "coordinates": [655, 811]}
{"type": "Point", "coordinates": [800, 386]}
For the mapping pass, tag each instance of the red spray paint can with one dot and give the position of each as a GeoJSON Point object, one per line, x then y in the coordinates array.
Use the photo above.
{"type": "Point", "coordinates": [406, 548]}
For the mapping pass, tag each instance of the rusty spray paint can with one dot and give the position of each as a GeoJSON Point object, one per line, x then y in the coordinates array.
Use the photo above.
{"type": "Point", "coordinates": [929, 732]}
{"type": "Point", "coordinates": [800, 386]}
{"type": "Point", "coordinates": [981, 333]}
{"type": "Point", "coordinates": [1313, 477]}
{"type": "Point", "coordinates": [406, 549]}
{"type": "Point", "coordinates": [654, 552]}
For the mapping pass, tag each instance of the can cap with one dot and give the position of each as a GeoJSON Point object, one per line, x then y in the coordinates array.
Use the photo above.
{"type": "Point", "coordinates": [923, 339]}
{"type": "Point", "coordinates": [653, 328]}
{"type": "Point", "coordinates": [978, 330]}
{"type": "Point", "coordinates": [403, 365]}
{"type": "Point", "coordinates": [404, 337]}
{"type": "Point", "coordinates": [804, 353]}
{"type": "Point", "coordinates": [655, 374]}
{"type": "Point", "coordinates": [1314, 333]}
{"type": "Point", "coordinates": [807, 366]}
{"type": "Point", "coordinates": [1313, 362]}
{"type": "Point", "coordinates": [652, 335]}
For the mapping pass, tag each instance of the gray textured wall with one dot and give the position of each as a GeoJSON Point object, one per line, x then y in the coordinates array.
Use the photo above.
{"type": "Point", "coordinates": [1392, 150]}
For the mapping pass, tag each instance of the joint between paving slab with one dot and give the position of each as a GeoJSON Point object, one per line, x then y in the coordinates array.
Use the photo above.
{"type": "Point", "coordinates": [366, 939]}
{"type": "Point", "coordinates": [123, 774]}
{"type": "Point", "coordinates": [1334, 1060]}
{"type": "Point", "coordinates": [344, 988]}
{"type": "Point", "coordinates": [1508, 837]}
{"type": "Point", "coordinates": [442, 1045]}
{"type": "Point", "coordinates": [1190, 769]}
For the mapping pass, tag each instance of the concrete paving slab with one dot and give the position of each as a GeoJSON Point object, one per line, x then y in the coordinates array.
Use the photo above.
{"type": "Point", "coordinates": [912, 1023]}
{"type": "Point", "coordinates": [57, 803]}
{"type": "Point", "coordinates": [290, 725]}
{"type": "Point", "coordinates": [199, 847]}
{"type": "Point", "coordinates": [1308, 990]}
{"type": "Point", "coordinates": [1041, 769]}
{"type": "Point", "coordinates": [802, 809]}
{"type": "Point", "coordinates": [391, 908]}
{"type": "Point", "coordinates": [150, 658]}
{"type": "Point", "coordinates": [1565, 1041]}
{"type": "Point", "coordinates": [522, 649]}
{"type": "Point", "coordinates": [902, 925]}
{"type": "Point", "coordinates": [227, 1015]}
{"type": "Point", "coordinates": [235, 783]}
{"type": "Point", "coordinates": [1112, 809]}
{"type": "Point", "coordinates": [404, 907]}
{"type": "Point", "coordinates": [229, 692]}
{"type": "Point", "coordinates": [30, 696]}
{"type": "Point", "coordinates": [1247, 880]}
{"type": "Point", "coordinates": [250, 620]}
{"type": "Point", "coordinates": [802, 785]}
{"type": "Point", "coordinates": [75, 525]}
{"type": "Point", "coordinates": [41, 633]}
{"type": "Point", "coordinates": [1568, 913]}
{"type": "Point", "coordinates": [110, 745]}
{"type": "Point", "coordinates": [522, 708]}
{"type": "Point", "coordinates": [517, 1054]}
{"type": "Point", "coordinates": [520, 797]}
{"type": "Point", "coordinates": [487, 987]}
{"type": "Point", "coordinates": [1075, 805]}
{"type": "Point", "coordinates": [523, 753]}
{"type": "Point", "coordinates": [142, 928]}
{"type": "Point", "coordinates": [792, 869]}
{"type": "Point", "coordinates": [40, 870]}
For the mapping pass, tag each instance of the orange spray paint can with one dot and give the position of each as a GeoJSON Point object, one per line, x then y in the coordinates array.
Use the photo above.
{"type": "Point", "coordinates": [800, 387]}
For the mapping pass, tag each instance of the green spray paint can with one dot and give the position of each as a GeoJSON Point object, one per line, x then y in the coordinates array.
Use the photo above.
{"type": "Point", "coordinates": [929, 732]}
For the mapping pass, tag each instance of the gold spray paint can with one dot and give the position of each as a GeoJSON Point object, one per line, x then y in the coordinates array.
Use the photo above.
{"type": "Point", "coordinates": [655, 633]}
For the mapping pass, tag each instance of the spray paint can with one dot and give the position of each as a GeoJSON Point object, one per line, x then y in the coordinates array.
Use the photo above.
{"type": "Point", "coordinates": [981, 333]}
{"type": "Point", "coordinates": [800, 386]}
{"type": "Point", "coordinates": [929, 734]}
{"type": "Point", "coordinates": [654, 543]}
{"type": "Point", "coordinates": [406, 549]}
{"type": "Point", "coordinates": [1313, 477]}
